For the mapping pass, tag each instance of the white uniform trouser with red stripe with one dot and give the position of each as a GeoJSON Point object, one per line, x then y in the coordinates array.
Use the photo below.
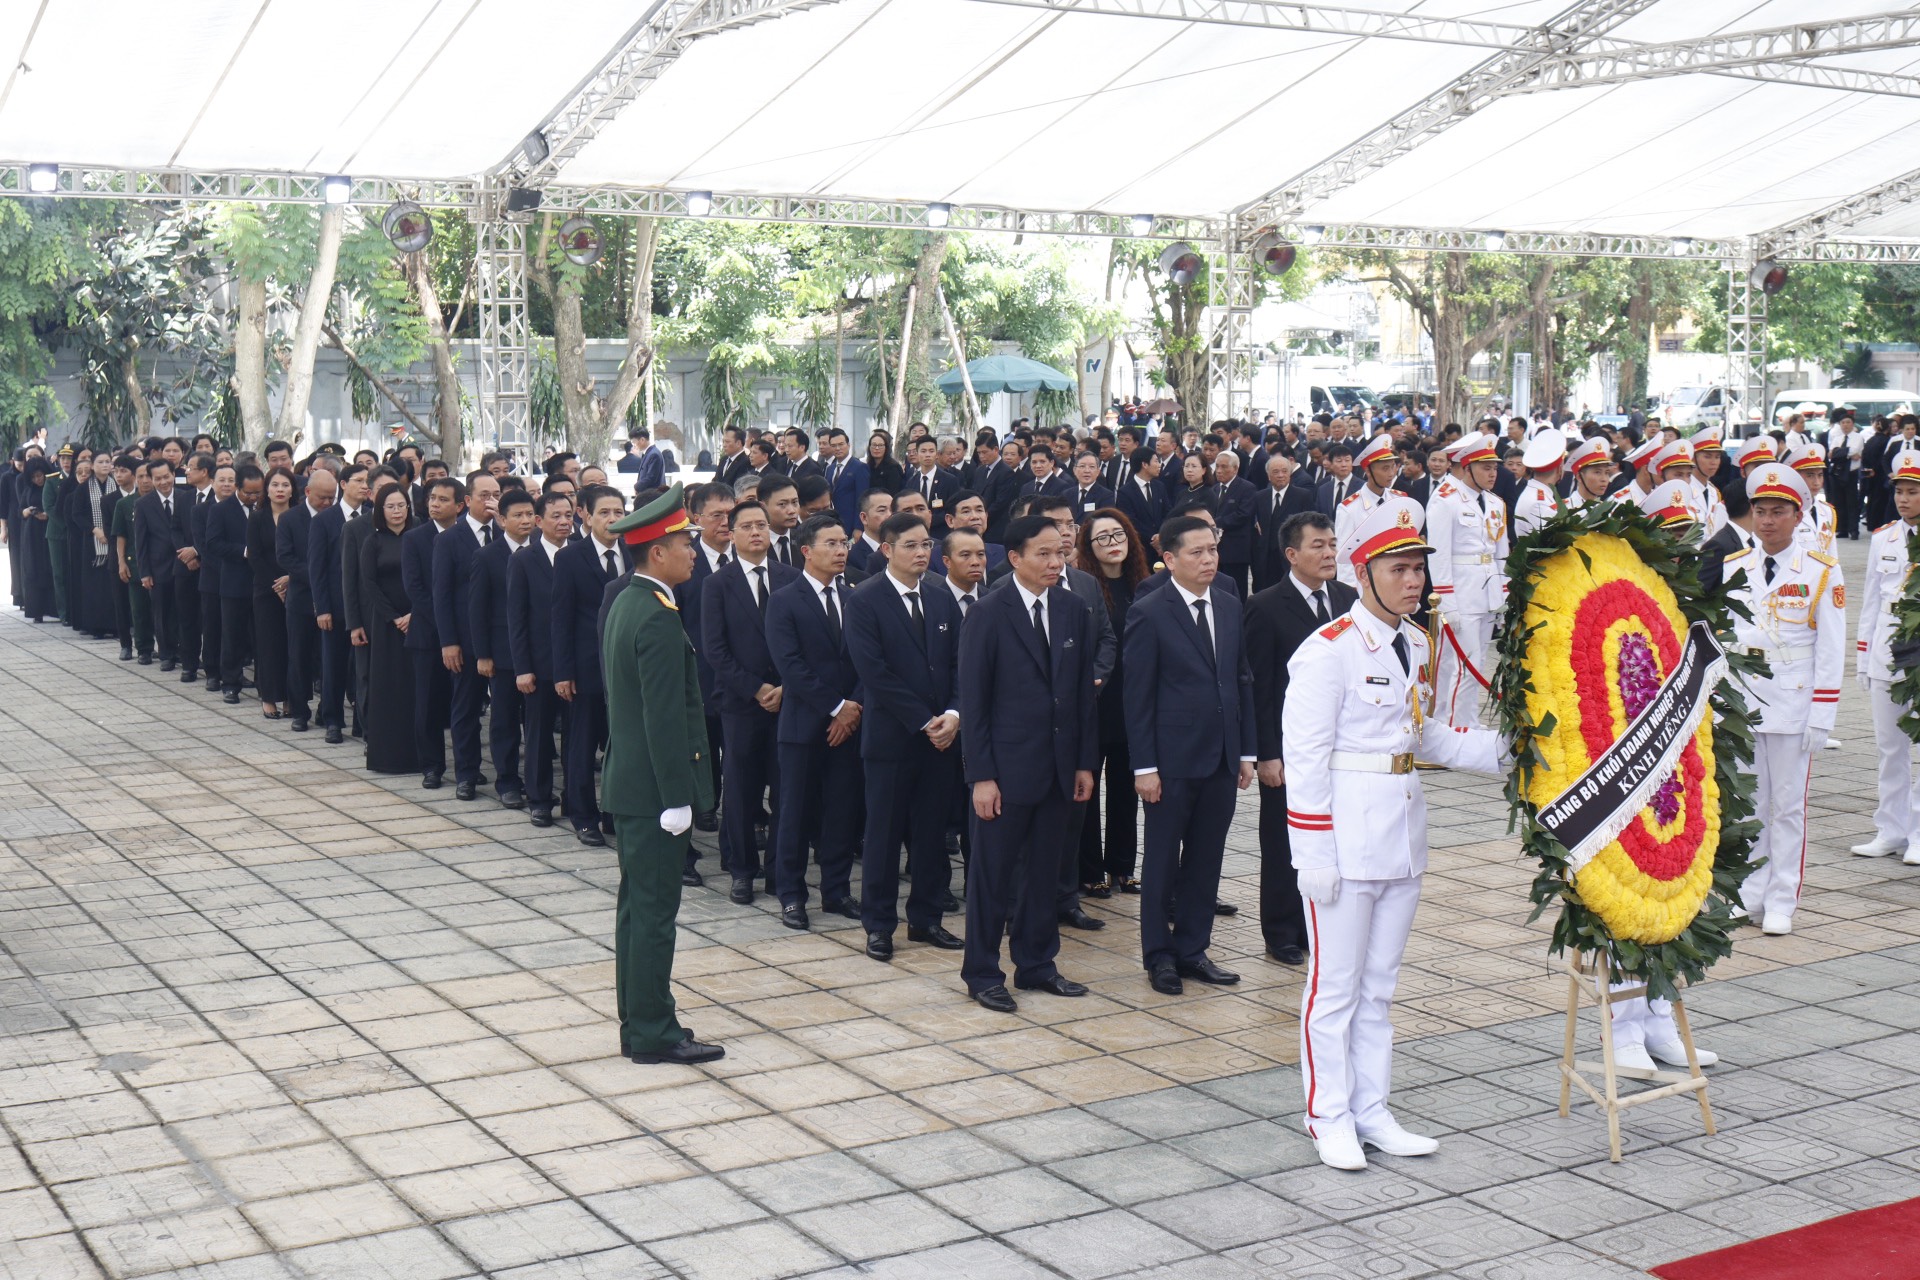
{"type": "Point", "coordinates": [1459, 692]}
{"type": "Point", "coordinates": [1346, 1034]}
{"type": "Point", "coordinates": [1896, 819]}
{"type": "Point", "coordinates": [1780, 803]}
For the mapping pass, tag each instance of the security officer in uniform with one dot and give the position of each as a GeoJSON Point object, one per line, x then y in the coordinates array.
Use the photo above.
{"type": "Point", "coordinates": [1819, 525]}
{"type": "Point", "coordinates": [1358, 710]}
{"type": "Point", "coordinates": [655, 775]}
{"type": "Point", "coordinates": [1798, 606]}
{"type": "Point", "coordinates": [1544, 458]}
{"type": "Point", "coordinates": [1896, 820]}
{"type": "Point", "coordinates": [1467, 523]}
{"type": "Point", "coordinates": [1376, 462]}
{"type": "Point", "coordinates": [1593, 470]}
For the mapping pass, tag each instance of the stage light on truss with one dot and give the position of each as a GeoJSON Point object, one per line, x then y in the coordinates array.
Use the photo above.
{"type": "Point", "coordinates": [699, 203]}
{"type": "Point", "coordinates": [1272, 254]}
{"type": "Point", "coordinates": [1141, 224]}
{"type": "Point", "coordinates": [580, 241]}
{"type": "Point", "coordinates": [1680, 246]}
{"type": "Point", "coordinates": [1494, 241]}
{"type": "Point", "coordinates": [43, 179]}
{"type": "Point", "coordinates": [1181, 263]}
{"type": "Point", "coordinates": [407, 226]}
{"type": "Point", "coordinates": [533, 148]}
{"type": "Point", "coordinates": [336, 188]}
{"type": "Point", "coordinates": [938, 215]}
{"type": "Point", "coordinates": [1768, 276]}
{"type": "Point", "coordinates": [523, 199]}
{"type": "Point", "coordinates": [1313, 234]}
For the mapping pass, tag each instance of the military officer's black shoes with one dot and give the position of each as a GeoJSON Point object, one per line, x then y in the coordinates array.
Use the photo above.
{"type": "Point", "coordinates": [431, 781]}
{"type": "Point", "coordinates": [1225, 909]}
{"type": "Point", "coordinates": [213, 684]}
{"type": "Point", "coordinates": [707, 821]}
{"type": "Point", "coordinates": [742, 890]}
{"type": "Point", "coordinates": [880, 946]}
{"type": "Point", "coordinates": [146, 659]}
{"type": "Point", "coordinates": [167, 665]}
{"type": "Point", "coordinates": [691, 878]}
{"type": "Point", "coordinates": [231, 697]}
{"type": "Point", "coordinates": [126, 653]}
{"type": "Point", "coordinates": [1166, 979]}
{"type": "Point", "coordinates": [1205, 970]}
{"type": "Point", "coordinates": [1056, 985]}
{"type": "Point", "coordinates": [335, 736]}
{"type": "Point", "coordinates": [590, 836]}
{"type": "Point", "coordinates": [845, 907]}
{"type": "Point", "coordinates": [1079, 919]}
{"type": "Point", "coordinates": [514, 798]}
{"type": "Point", "coordinates": [996, 999]}
{"type": "Point", "coordinates": [299, 724]}
{"type": "Point", "coordinates": [936, 935]}
{"type": "Point", "coordinates": [794, 917]}
{"type": "Point", "coordinates": [540, 817]}
{"type": "Point", "coordinates": [464, 791]}
{"type": "Point", "coordinates": [687, 1053]}
{"type": "Point", "coordinates": [1288, 955]}
{"type": "Point", "coordinates": [191, 675]}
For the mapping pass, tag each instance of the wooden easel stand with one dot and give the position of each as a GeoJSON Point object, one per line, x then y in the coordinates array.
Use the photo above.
{"type": "Point", "coordinates": [1588, 976]}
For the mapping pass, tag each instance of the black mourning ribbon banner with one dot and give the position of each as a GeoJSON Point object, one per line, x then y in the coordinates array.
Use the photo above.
{"type": "Point", "coordinates": [1602, 801]}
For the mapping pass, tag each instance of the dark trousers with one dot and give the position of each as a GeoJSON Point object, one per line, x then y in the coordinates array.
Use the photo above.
{"type": "Point", "coordinates": [432, 700]}
{"type": "Point", "coordinates": [908, 799]}
{"type": "Point", "coordinates": [336, 668]}
{"type": "Point", "coordinates": [1180, 875]}
{"type": "Point", "coordinates": [1010, 889]}
{"type": "Point", "coordinates": [236, 640]}
{"type": "Point", "coordinates": [1283, 916]}
{"type": "Point", "coordinates": [166, 633]}
{"type": "Point", "coordinates": [212, 637]}
{"type": "Point", "coordinates": [643, 933]}
{"type": "Point", "coordinates": [715, 747]}
{"type": "Point", "coordinates": [584, 726]}
{"type": "Point", "coordinates": [140, 614]}
{"type": "Point", "coordinates": [303, 661]}
{"type": "Point", "coordinates": [504, 726]}
{"type": "Point", "coordinates": [186, 618]}
{"type": "Point", "coordinates": [1121, 814]}
{"type": "Point", "coordinates": [542, 711]}
{"type": "Point", "coordinates": [362, 678]}
{"type": "Point", "coordinates": [751, 766]}
{"type": "Point", "coordinates": [1844, 493]}
{"type": "Point", "coordinates": [122, 611]}
{"type": "Point", "coordinates": [819, 784]}
{"type": "Point", "coordinates": [469, 689]}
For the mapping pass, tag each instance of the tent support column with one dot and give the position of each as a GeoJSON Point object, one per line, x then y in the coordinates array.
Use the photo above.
{"type": "Point", "coordinates": [1229, 326]}
{"type": "Point", "coordinates": [1746, 342]}
{"type": "Point", "coordinates": [504, 345]}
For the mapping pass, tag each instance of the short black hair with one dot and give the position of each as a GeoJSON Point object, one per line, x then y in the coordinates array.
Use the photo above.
{"type": "Point", "coordinates": [871, 496]}
{"type": "Point", "coordinates": [813, 526]}
{"type": "Point", "coordinates": [959, 496]}
{"type": "Point", "coordinates": [448, 482]}
{"type": "Point", "coordinates": [557, 463]}
{"type": "Point", "coordinates": [895, 525]}
{"type": "Point", "coordinates": [1293, 530]}
{"type": "Point", "coordinates": [742, 508]}
{"type": "Point", "coordinates": [700, 496]}
{"type": "Point", "coordinates": [1178, 527]}
{"type": "Point", "coordinates": [510, 498]}
{"type": "Point", "coordinates": [241, 474]}
{"type": "Point", "coordinates": [811, 488]}
{"type": "Point", "coordinates": [770, 485]}
{"type": "Point", "coordinates": [273, 445]}
{"type": "Point", "coordinates": [547, 499]}
{"type": "Point", "coordinates": [1023, 530]}
{"type": "Point", "coordinates": [1340, 449]}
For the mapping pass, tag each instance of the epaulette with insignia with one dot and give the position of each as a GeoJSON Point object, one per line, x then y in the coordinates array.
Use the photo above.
{"type": "Point", "coordinates": [1333, 630]}
{"type": "Point", "coordinates": [666, 600]}
{"type": "Point", "coordinates": [1823, 558]}
{"type": "Point", "coordinates": [1735, 555]}
{"type": "Point", "coordinates": [1350, 499]}
{"type": "Point", "coordinates": [1888, 525]}
{"type": "Point", "coordinates": [1446, 489]}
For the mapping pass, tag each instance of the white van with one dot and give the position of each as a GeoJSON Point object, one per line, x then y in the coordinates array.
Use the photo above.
{"type": "Point", "coordinates": [1866, 404]}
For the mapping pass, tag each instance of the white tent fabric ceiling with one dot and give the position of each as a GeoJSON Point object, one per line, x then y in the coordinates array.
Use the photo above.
{"type": "Point", "coordinates": [965, 102]}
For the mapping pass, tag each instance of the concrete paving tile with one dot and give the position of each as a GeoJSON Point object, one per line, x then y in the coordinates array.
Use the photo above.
{"type": "Point", "coordinates": [1101, 1245]}
{"type": "Point", "coordinates": [55, 1257]}
{"type": "Point", "coordinates": [809, 1183]}
{"type": "Point", "coordinates": [1865, 1185]}
{"type": "Point", "coordinates": [319, 1217]}
{"type": "Point", "coordinates": [1330, 1253]}
{"type": "Point", "coordinates": [968, 1258]}
{"type": "Point", "coordinates": [1057, 1135]}
{"type": "Point", "coordinates": [1563, 1205]}
{"type": "Point", "coordinates": [756, 1251]}
{"type": "Point", "coordinates": [1133, 1174]}
{"type": "Point", "coordinates": [1337, 1194]}
{"type": "Point", "coordinates": [1449, 1236]}
{"type": "Point", "coordinates": [1561, 1261]}
{"type": "Point", "coordinates": [936, 1158]}
{"type": "Point", "coordinates": [539, 1233]}
{"type": "Point", "coordinates": [1223, 1218]}
{"type": "Point", "coordinates": [900, 1223]}
{"type": "Point", "coordinates": [626, 1263]}
{"type": "Point", "coordinates": [677, 1208]}
{"type": "Point", "coordinates": [1003, 1202]}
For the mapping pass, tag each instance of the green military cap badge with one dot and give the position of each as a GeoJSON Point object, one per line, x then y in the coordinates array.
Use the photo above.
{"type": "Point", "coordinates": [664, 515]}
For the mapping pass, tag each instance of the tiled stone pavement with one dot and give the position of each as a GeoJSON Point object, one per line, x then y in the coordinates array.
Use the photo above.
{"type": "Point", "coordinates": [265, 1015]}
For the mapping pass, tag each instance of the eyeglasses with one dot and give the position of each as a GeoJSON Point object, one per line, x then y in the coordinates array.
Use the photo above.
{"type": "Point", "coordinates": [1113, 539]}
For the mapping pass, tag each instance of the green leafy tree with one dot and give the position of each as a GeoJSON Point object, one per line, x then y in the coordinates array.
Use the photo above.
{"type": "Point", "coordinates": [45, 250]}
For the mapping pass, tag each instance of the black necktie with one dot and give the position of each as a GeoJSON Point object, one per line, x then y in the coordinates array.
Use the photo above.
{"type": "Point", "coordinates": [356, 514]}
{"type": "Point", "coordinates": [612, 570]}
{"type": "Point", "coordinates": [926, 486]}
{"type": "Point", "coordinates": [1400, 652]}
{"type": "Point", "coordinates": [1481, 498]}
{"type": "Point", "coordinates": [919, 618]}
{"type": "Point", "coordinates": [1200, 620]}
{"type": "Point", "coordinates": [486, 535]}
{"type": "Point", "coordinates": [761, 593]}
{"type": "Point", "coordinates": [833, 614]}
{"type": "Point", "coordinates": [1320, 605]}
{"type": "Point", "coordinates": [1770, 567]}
{"type": "Point", "coordinates": [1040, 621]}
{"type": "Point", "coordinates": [966, 605]}
{"type": "Point", "coordinates": [833, 469]}
{"type": "Point", "coordinates": [786, 555]}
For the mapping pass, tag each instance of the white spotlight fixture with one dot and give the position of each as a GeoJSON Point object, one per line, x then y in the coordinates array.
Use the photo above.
{"type": "Point", "coordinates": [1312, 235]}
{"type": "Point", "coordinates": [336, 189]}
{"type": "Point", "coordinates": [1495, 241]}
{"type": "Point", "coordinates": [407, 226]}
{"type": "Point", "coordinates": [1181, 263]}
{"type": "Point", "coordinates": [580, 241]}
{"type": "Point", "coordinates": [938, 215]}
{"type": "Point", "coordinates": [1680, 246]}
{"type": "Point", "coordinates": [699, 203]}
{"type": "Point", "coordinates": [43, 179]}
{"type": "Point", "coordinates": [1142, 224]}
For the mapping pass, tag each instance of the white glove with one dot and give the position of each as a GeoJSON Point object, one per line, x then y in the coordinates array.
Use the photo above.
{"type": "Point", "coordinates": [1860, 678]}
{"type": "Point", "coordinates": [1319, 884]}
{"type": "Point", "coordinates": [675, 821]}
{"type": "Point", "coordinates": [1814, 740]}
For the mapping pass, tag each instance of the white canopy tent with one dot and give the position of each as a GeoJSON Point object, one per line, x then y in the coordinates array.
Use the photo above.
{"type": "Point", "coordinates": [1735, 130]}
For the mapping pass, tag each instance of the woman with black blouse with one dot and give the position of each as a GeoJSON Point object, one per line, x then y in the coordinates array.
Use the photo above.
{"type": "Point", "coordinates": [1110, 549]}
{"type": "Point", "coordinates": [269, 595]}
{"type": "Point", "coordinates": [388, 716]}
{"type": "Point", "coordinates": [885, 472]}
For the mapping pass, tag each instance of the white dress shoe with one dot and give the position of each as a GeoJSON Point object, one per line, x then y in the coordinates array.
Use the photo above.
{"type": "Point", "coordinates": [1912, 856]}
{"type": "Point", "coordinates": [1833, 744]}
{"type": "Point", "coordinates": [1395, 1141]}
{"type": "Point", "coordinates": [1736, 912]}
{"type": "Point", "coordinates": [1339, 1149]}
{"type": "Point", "coordinates": [1632, 1060]}
{"type": "Point", "coordinates": [1674, 1054]}
{"type": "Point", "coordinates": [1879, 847]}
{"type": "Point", "coordinates": [1777, 925]}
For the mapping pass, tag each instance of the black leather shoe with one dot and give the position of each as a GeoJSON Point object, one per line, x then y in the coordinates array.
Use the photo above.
{"type": "Point", "coordinates": [126, 653]}
{"type": "Point", "coordinates": [190, 676]}
{"type": "Point", "coordinates": [299, 725]}
{"type": "Point", "coordinates": [742, 891]}
{"type": "Point", "coordinates": [936, 936]}
{"type": "Point", "coordinates": [1288, 955]}
{"type": "Point", "coordinates": [1056, 985]}
{"type": "Point", "coordinates": [335, 736]}
{"type": "Point", "coordinates": [1166, 979]}
{"type": "Point", "coordinates": [794, 917]}
{"type": "Point", "coordinates": [951, 843]}
{"type": "Point", "coordinates": [146, 659]}
{"type": "Point", "coordinates": [692, 879]}
{"type": "Point", "coordinates": [687, 1053]}
{"type": "Point", "coordinates": [213, 684]}
{"type": "Point", "coordinates": [1205, 970]}
{"type": "Point", "coordinates": [1079, 919]}
{"type": "Point", "coordinates": [540, 817]}
{"type": "Point", "coordinates": [514, 799]}
{"type": "Point", "coordinates": [167, 665]}
{"type": "Point", "coordinates": [1102, 890]}
{"type": "Point", "coordinates": [880, 946]}
{"type": "Point", "coordinates": [846, 907]}
{"type": "Point", "coordinates": [231, 697]}
{"type": "Point", "coordinates": [590, 836]}
{"type": "Point", "coordinates": [708, 821]}
{"type": "Point", "coordinates": [948, 904]}
{"type": "Point", "coordinates": [996, 999]}
{"type": "Point", "coordinates": [465, 791]}
{"type": "Point", "coordinates": [431, 781]}
{"type": "Point", "coordinates": [1225, 909]}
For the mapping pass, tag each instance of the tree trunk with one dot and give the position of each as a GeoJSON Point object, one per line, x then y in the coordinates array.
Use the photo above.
{"type": "Point", "coordinates": [1186, 354]}
{"type": "Point", "coordinates": [916, 373]}
{"type": "Point", "coordinates": [839, 359]}
{"type": "Point", "coordinates": [1448, 328]}
{"type": "Point", "coordinates": [250, 363]}
{"type": "Point", "coordinates": [313, 314]}
{"type": "Point", "coordinates": [1540, 323]}
{"type": "Point", "coordinates": [1636, 350]}
{"type": "Point", "coordinates": [139, 408]}
{"type": "Point", "coordinates": [446, 405]}
{"type": "Point", "coordinates": [632, 377]}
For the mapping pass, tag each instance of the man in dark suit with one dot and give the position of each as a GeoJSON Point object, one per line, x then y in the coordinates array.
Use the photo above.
{"type": "Point", "coordinates": [1142, 500]}
{"type": "Point", "coordinates": [932, 481]}
{"type": "Point", "coordinates": [711, 507]}
{"type": "Point", "coordinates": [453, 555]}
{"type": "Point", "coordinates": [793, 449]}
{"type": "Point", "coordinates": [733, 461]}
{"type": "Point", "coordinates": [1234, 515]}
{"type": "Point", "coordinates": [650, 469]}
{"type": "Point", "coordinates": [514, 520]}
{"type": "Point", "coordinates": [1046, 478]}
{"type": "Point", "coordinates": [1734, 536]}
{"type": "Point", "coordinates": [1340, 483]}
{"type": "Point", "coordinates": [998, 486]}
{"type": "Point", "coordinates": [432, 682]}
{"type": "Point", "coordinates": [530, 646]}
{"type": "Point", "coordinates": [821, 709]}
{"type": "Point", "coordinates": [353, 596]}
{"type": "Point", "coordinates": [1028, 704]}
{"type": "Point", "coordinates": [1190, 737]}
{"type": "Point", "coordinates": [1088, 493]}
{"type": "Point", "coordinates": [848, 478]}
{"type": "Point", "coordinates": [876, 506]}
{"type": "Point", "coordinates": [325, 580]}
{"type": "Point", "coordinates": [903, 632]}
{"type": "Point", "coordinates": [189, 527]}
{"type": "Point", "coordinates": [291, 539]}
{"type": "Point", "coordinates": [733, 639]}
{"type": "Point", "coordinates": [1279, 618]}
{"type": "Point", "coordinates": [208, 573]}
{"type": "Point", "coordinates": [1281, 500]}
{"type": "Point", "coordinates": [585, 575]}
{"type": "Point", "coordinates": [156, 555]}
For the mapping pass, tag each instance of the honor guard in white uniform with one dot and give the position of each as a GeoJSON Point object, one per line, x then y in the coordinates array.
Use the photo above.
{"type": "Point", "coordinates": [1753, 453]}
{"type": "Point", "coordinates": [1818, 525]}
{"type": "Point", "coordinates": [1593, 471]}
{"type": "Point", "coordinates": [1375, 462]}
{"type": "Point", "coordinates": [1709, 458]}
{"type": "Point", "coordinates": [1467, 526]}
{"type": "Point", "coordinates": [1798, 602]}
{"type": "Point", "coordinates": [1640, 459]}
{"type": "Point", "coordinates": [1539, 502]}
{"type": "Point", "coordinates": [1358, 710]}
{"type": "Point", "coordinates": [1896, 819]}
{"type": "Point", "coordinates": [1671, 504]}
{"type": "Point", "coordinates": [1675, 462]}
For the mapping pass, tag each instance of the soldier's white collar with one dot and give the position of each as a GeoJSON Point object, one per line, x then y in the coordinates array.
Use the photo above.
{"type": "Point", "coordinates": [1374, 633]}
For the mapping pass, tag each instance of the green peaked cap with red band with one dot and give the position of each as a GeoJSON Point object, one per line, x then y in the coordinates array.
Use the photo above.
{"type": "Point", "coordinates": [664, 515]}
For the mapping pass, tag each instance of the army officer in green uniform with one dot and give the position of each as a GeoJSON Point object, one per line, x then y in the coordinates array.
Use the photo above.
{"type": "Point", "coordinates": [656, 775]}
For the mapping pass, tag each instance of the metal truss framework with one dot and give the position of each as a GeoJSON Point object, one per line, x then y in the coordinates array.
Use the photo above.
{"type": "Point", "coordinates": [1807, 235]}
{"type": "Point", "coordinates": [505, 335]}
{"type": "Point", "coordinates": [265, 187]}
{"type": "Point", "coordinates": [1746, 339]}
{"type": "Point", "coordinates": [1228, 322]}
